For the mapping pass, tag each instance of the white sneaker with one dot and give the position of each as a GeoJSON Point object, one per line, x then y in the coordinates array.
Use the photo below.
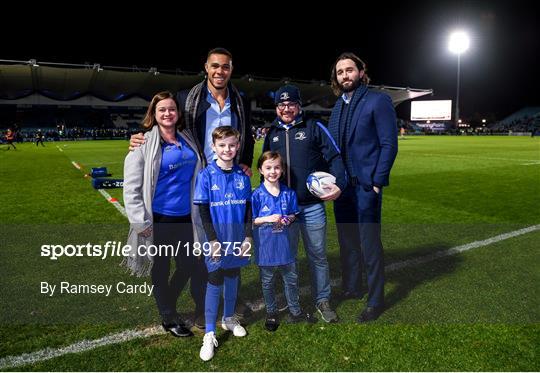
{"type": "Point", "coordinates": [232, 324]}
{"type": "Point", "coordinates": [207, 349]}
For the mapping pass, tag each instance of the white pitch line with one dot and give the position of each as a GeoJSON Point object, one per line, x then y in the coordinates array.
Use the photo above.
{"type": "Point", "coordinates": [476, 158]}
{"type": "Point", "coordinates": [114, 201]}
{"type": "Point", "coordinates": [84, 345]}
{"type": "Point", "coordinates": [107, 196]}
{"type": "Point", "coordinates": [127, 335]}
{"type": "Point", "coordinates": [459, 249]}
{"type": "Point", "coordinates": [60, 148]}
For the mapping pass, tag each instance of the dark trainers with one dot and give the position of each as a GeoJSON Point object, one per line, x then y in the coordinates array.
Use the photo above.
{"type": "Point", "coordinates": [370, 314]}
{"type": "Point", "coordinates": [271, 323]}
{"type": "Point", "coordinates": [326, 313]}
{"type": "Point", "coordinates": [302, 317]}
{"type": "Point", "coordinates": [177, 328]}
{"type": "Point", "coordinates": [199, 322]}
{"type": "Point", "coordinates": [242, 311]}
{"type": "Point", "coordinates": [351, 295]}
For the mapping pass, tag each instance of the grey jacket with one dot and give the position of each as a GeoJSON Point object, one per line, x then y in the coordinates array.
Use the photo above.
{"type": "Point", "coordinates": [141, 171]}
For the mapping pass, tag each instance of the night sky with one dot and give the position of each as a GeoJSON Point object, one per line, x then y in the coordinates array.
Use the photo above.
{"type": "Point", "coordinates": [404, 46]}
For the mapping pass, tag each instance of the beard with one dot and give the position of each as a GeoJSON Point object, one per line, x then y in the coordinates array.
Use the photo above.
{"type": "Point", "coordinates": [355, 84]}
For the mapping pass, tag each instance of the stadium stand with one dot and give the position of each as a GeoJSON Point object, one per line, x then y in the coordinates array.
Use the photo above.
{"type": "Point", "coordinates": [524, 121]}
{"type": "Point", "coordinates": [109, 101]}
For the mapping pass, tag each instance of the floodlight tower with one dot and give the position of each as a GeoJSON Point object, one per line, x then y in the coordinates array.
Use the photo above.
{"type": "Point", "coordinates": [458, 43]}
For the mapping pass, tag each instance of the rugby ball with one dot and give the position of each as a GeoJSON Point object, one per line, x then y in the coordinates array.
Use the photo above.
{"type": "Point", "coordinates": [317, 181]}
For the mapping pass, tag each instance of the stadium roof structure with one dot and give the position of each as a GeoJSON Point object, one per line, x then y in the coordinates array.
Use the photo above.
{"type": "Point", "coordinates": [43, 83]}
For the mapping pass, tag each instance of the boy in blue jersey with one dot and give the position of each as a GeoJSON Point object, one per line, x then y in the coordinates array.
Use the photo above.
{"type": "Point", "coordinates": [223, 193]}
{"type": "Point", "coordinates": [274, 208]}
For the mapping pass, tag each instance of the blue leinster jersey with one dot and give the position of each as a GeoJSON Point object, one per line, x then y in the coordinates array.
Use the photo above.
{"type": "Point", "coordinates": [272, 245]}
{"type": "Point", "coordinates": [173, 188]}
{"type": "Point", "coordinates": [226, 193]}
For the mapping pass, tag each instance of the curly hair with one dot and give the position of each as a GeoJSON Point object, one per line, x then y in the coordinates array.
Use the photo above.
{"type": "Point", "coordinates": [336, 88]}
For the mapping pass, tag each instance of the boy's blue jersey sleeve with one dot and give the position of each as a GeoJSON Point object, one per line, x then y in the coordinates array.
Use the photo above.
{"type": "Point", "coordinates": [255, 204]}
{"type": "Point", "coordinates": [248, 189]}
{"type": "Point", "coordinates": [202, 189]}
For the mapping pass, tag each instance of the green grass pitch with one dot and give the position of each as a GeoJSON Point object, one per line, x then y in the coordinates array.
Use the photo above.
{"type": "Point", "coordinates": [474, 311]}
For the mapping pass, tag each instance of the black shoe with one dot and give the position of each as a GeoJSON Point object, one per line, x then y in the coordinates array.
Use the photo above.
{"type": "Point", "coordinates": [351, 295]}
{"type": "Point", "coordinates": [177, 329]}
{"type": "Point", "coordinates": [302, 317]}
{"type": "Point", "coordinates": [370, 314]}
{"type": "Point", "coordinates": [271, 323]}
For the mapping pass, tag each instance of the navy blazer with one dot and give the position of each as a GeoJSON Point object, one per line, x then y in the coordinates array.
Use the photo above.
{"type": "Point", "coordinates": [372, 135]}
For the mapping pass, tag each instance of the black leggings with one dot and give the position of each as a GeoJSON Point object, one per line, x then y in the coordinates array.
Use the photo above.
{"type": "Point", "coordinates": [170, 230]}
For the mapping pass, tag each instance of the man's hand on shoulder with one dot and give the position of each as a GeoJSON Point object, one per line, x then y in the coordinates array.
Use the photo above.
{"type": "Point", "coordinates": [135, 141]}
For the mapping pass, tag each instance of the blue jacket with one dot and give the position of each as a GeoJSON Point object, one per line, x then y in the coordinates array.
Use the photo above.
{"type": "Point", "coordinates": [306, 147]}
{"type": "Point", "coordinates": [371, 139]}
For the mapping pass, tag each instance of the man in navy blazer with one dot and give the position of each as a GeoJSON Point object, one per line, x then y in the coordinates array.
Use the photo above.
{"type": "Point", "coordinates": [364, 124]}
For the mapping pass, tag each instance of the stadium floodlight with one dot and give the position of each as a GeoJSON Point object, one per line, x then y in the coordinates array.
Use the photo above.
{"type": "Point", "coordinates": [458, 44]}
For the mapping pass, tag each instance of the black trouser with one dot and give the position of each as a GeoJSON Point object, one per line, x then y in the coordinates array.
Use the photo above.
{"type": "Point", "coordinates": [169, 230]}
{"type": "Point", "coordinates": [358, 218]}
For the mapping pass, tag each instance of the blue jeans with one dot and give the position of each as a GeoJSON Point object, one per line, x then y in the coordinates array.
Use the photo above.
{"type": "Point", "coordinates": [311, 221]}
{"type": "Point", "coordinates": [290, 282]}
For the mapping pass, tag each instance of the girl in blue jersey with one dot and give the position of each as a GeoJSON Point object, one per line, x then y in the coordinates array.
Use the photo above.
{"type": "Point", "coordinates": [223, 194]}
{"type": "Point", "coordinates": [274, 207]}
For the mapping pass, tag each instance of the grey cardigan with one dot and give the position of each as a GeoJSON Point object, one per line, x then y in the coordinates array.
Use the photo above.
{"type": "Point", "coordinates": [141, 171]}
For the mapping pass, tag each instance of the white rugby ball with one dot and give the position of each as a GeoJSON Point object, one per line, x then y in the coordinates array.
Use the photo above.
{"type": "Point", "coordinates": [317, 181]}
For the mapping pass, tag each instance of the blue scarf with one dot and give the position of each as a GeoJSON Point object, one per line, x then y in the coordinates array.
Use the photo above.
{"type": "Point", "coordinates": [335, 117]}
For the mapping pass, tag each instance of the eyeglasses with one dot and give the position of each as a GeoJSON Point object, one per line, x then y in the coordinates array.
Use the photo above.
{"type": "Point", "coordinates": [290, 105]}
